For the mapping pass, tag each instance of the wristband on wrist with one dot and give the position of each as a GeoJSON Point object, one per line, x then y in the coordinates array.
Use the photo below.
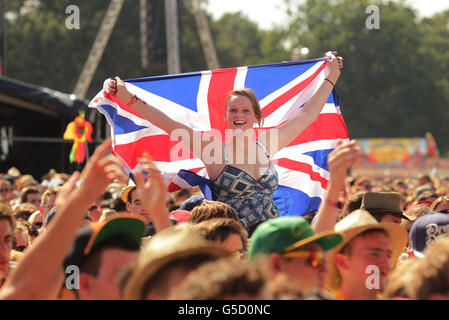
{"type": "Point", "coordinates": [133, 99]}
{"type": "Point", "coordinates": [333, 84]}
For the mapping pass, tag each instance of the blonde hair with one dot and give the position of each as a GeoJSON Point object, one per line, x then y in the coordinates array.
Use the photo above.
{"type": "Point", "coordinates": [49, 192]}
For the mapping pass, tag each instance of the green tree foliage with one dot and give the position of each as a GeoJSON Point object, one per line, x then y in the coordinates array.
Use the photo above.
{"type": "Point", "coordinates": [41, 50]}
{"type": "Point", "coordinates": [239, 42]}
{"type": "Point", "coordinates": [394, 82]}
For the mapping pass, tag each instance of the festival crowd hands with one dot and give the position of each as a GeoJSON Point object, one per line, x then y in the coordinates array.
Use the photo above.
{"type": "Point", "coordinates": [39, 274]}
{"type": "Point", "coordinates": [342, 158]}
{"type": "Point", "coordinates": [151, 189]}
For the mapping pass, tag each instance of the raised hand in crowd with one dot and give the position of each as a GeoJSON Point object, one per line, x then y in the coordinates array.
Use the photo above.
{"type": "Point", "coordinates": [152, 190]}
{"type": "Point", "coordinates": [39, 274]}
{"type": "Point", "coordinates": [343, 157]}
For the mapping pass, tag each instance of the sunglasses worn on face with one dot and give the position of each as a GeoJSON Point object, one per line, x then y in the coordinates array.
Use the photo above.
{"type": "Point", "coordinates": [38, 224]}
{"type": "Point", "coordinates": [5, 190]}
{"type": "Point", "coordinates": [315, 258]}
{"type": "Point", "coordinates": [444, 211]}
{"type": "Point", "coordinates": [21, 248]}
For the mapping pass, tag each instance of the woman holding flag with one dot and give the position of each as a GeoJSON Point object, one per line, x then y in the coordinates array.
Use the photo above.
{"type": "Point", "coordinates": [243, 175]}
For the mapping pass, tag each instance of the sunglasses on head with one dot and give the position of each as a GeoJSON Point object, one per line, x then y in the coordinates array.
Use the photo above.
{"type": "Point", "coordinates": [314, 258]}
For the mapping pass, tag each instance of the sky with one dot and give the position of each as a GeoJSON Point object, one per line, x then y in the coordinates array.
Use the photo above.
{"type": "Point", "coordinates": [267, 12]}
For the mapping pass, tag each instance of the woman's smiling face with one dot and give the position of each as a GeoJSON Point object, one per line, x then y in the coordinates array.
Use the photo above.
{"type": "Point", "coordinates": [240, 113]}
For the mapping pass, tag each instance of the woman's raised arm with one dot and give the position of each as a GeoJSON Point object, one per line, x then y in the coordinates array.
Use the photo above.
{"type": "Point", "coordinates": [309, 112]}
{"type": "Point", "coordinates": [118, 88]}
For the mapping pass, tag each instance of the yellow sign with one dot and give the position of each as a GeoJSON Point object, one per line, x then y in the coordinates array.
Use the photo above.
{"type": "Point", "coordinates": [392, 150]}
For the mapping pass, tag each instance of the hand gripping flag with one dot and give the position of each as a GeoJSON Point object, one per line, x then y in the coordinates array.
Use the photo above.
{"type": "Point", "coordinates": [198, 100]}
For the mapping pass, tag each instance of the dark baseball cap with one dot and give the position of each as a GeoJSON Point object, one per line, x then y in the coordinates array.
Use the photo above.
{"type": "Point", "coordinates": [426, 229]}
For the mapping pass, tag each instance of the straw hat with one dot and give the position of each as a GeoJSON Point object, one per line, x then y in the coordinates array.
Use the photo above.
{"type": "Point", "coordinates": [354, 224]}
{"type": "Point", "coordinates": [176, 242]}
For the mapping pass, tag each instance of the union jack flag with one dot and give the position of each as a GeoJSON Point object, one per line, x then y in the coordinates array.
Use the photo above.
{"type": "Point", "coordinates": [198, 100]}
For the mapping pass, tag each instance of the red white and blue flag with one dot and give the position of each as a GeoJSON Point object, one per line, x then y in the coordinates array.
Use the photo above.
{"type": "Point", "coordinates": [198, 100]}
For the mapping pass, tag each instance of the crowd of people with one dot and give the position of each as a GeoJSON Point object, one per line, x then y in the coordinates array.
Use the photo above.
{"type": "Point", "coordinates": [95, 235]}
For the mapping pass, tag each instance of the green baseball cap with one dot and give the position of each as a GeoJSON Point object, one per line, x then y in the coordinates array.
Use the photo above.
{"type": "Point", "coordinates": [285, 234]}
{"type": "Point", "coordinates": [94, 235]}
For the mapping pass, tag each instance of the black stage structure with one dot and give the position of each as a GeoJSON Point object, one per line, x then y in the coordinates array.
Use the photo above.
{"type": "Point", "coordinates": [32, 123]}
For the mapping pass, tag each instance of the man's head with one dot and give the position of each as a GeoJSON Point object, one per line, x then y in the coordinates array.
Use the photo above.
{"type": "Point", "coordinates": [48, 200]}
{"type": "Point", "coordinates": [353, 202]}
{"type": "Point", "coordinates": [426, 229]}
{"type": "Point", "coordinates": [30, 195]}
{"type": "Point", "coordinates": [368, 247]}
{"type": "Point", "coordinates": [225, 279]}
{"type": "Point", "coordinates": [421, 189]}
{"type": "Point", "coordinates": [212, 209]}
{"type": "Point", "coordinates": [414, 214]}
{"type": "Point", "coordinates": [22, 237]}
{"type": "Point", "coordinates": [166, 259]}
{"type": "Point", "coordinates": [228, 233]}
{"type": "Point", "coordinates": [293, 245]}
{"type": "Point", "coordinates": [134, 203]}
{"type": "Point", "coordinates": [6, 189]}
{"type": "Point", "coordinates": [24, 211]}
{"type": "Point", "coordinates": [384, 206]}
{"type": "Point", "coordinates": [427, 197]}
{"type": "Point", "coordinates": [7, 225]}
{"type": "Point", "coordinates": [363, 184]}
{"type": "Point", "coordinates": [432, 282]}
{"type": "Point", "coordinates": [94, 211]}
{"type": "Point", "coordinates": [100, 250]}
{"type": "Point", "coordinates": [423, 279]}
{"type": "Point", "coordinates": [400, 186]}
{"type": "Point", "coordinates": [424, 179]}
{"type": "Point", "coordinates": [182, 195]}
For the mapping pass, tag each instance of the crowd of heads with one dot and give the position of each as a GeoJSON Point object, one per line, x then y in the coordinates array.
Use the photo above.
{"type": "Point", "coordinates": [388, 242]}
